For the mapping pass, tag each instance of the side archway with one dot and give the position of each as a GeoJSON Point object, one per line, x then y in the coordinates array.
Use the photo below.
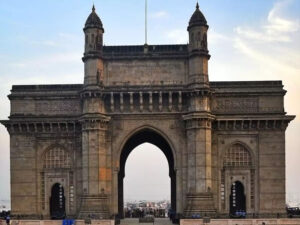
{"type": "Point", "coordinates": [237, 179]}
{"type": "Point", "coordinates": [57, 202]}
{"type": "Point", "coordinates": [57, 192]}
{"type": "Point", "coordinates": [237, 198]}
{"type": "Point", "coordinates": [146, 135]}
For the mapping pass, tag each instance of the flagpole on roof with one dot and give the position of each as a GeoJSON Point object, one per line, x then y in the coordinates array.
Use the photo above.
{"type": "Point", "coordinates": [146, 22]}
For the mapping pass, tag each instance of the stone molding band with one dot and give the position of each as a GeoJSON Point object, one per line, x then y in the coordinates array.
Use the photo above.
{"type": "Point", "coordinates": [252, 124]}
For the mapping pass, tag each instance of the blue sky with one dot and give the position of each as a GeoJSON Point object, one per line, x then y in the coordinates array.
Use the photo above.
{"type": "Point", "coordinates": [42, 42]}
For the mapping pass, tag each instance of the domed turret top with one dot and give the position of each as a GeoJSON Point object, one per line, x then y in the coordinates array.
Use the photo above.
{"type": "Point", "coordinates": [197, 18]}
{"type": "Point", "coordinates": [93, 21]}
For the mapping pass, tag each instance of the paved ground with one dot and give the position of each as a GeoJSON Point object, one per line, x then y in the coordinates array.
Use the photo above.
{"type": "Point", "coordinates": [157, 221]}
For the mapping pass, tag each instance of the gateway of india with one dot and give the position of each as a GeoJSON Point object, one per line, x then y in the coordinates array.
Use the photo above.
{"type": "Point", "coordinates": [224, 141]}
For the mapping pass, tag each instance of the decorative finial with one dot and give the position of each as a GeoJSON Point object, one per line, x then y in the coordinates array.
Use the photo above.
{"type": "Point", "coordinates": [93, 9]}
{"type": "Point", "coordinates": [197, 6]}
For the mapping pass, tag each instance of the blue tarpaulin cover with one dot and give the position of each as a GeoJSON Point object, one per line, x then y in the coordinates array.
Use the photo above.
{"type": "Point", "coordinates": [68, 222]}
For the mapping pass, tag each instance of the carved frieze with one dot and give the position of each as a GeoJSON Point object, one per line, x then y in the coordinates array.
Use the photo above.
{"type": "Point", "coordinates": [235, 105]}
{"type": "Point", "coordinates": [57, 107]}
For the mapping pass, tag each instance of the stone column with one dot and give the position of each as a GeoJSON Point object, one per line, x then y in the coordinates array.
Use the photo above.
{"type": "Point", "coordinates": [95, 171]}
{"type": "Point", "coordinates": [198, 132]}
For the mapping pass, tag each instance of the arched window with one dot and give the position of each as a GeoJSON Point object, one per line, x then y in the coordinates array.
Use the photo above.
{"type": "Point", "coordinates": [86, 39]}
{"type": "Point", "coordinates": [236, 156]}
{"type": "Point", "coordinates": [204, 41]}
{"type": "Point", "coordinates": [57, 158]}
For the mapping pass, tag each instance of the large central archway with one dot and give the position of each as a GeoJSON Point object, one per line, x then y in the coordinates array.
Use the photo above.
{"type": "Point", "coordinates": [146, 136]}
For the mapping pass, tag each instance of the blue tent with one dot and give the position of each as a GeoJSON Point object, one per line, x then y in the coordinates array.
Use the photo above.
{"type": "Point", "coordinates": [68, 222]}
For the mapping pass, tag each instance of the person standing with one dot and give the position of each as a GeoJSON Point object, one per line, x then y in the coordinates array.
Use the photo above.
{"type": "Point", "coordinates": [7, 219]}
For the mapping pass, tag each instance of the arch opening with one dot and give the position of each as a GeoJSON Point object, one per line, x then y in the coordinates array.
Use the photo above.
{"type": "Point", "coordinates": [154, 138]}
{"type": "Point", "coordinates": [57, 202]}
{"type": "Point", "coordinates": [237, 199]}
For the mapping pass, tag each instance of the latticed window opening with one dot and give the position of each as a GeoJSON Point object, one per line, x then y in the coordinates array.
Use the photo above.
{"type": "Point", "coordinates": [57, 158]}
{"type": "Point", "coordinates": [237, 155]}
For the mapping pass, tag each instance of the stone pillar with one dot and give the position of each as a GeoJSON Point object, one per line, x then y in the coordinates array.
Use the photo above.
{"type": "Point", "coordinates": [199, 199]}
{"type": "Point", "coordinates": [95, 170]}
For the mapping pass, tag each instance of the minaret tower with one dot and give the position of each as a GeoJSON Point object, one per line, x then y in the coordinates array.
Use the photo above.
{"type": "Point", "coordinates": [198, 52]}
{"type": "Point", "coordinates": [96, 188]}
{"type": "Point", "coordinates": [198, 120]}
{"type": "Point", "coordinates": [93, 63]}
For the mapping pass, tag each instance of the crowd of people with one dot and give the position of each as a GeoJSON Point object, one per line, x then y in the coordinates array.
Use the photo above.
{"type": "Point", "coordinates": [141, 212]}
{"type": "Point", "coordinates": [5, 215]}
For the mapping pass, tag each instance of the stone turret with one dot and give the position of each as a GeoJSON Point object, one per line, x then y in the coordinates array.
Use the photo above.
{"type": "Point", "coordinates": [94, 122]}
{"type": "Point", "coordinates": [198, 52]}
{"type": "Point", "coordinates": [198, 120]}
{"type": "Point", "coordinates": [93, 63]}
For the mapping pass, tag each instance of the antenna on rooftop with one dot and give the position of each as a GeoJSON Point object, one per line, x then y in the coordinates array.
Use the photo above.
{"type": "Point", "coordinates": [146, 21]}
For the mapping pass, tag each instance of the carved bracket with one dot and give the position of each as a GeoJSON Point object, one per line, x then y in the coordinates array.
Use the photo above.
{"type": "Point", "coordinates": [95, 123]}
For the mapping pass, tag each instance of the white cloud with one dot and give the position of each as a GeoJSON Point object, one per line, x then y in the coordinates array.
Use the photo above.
{"type": "Point", "coordinates": [177, 36]}
{"type": "Point", "coordinates": [49, 43]}
{"type": "Point", "coordinates": [69, 36]}
{"type": "Point", "coordinates": [44, 61]}
{"type": "Point", "coordinates": [275, 29]}
{"type": "Point", "coordinates": [265, 56]}
{"type": "Point", "coordinates": [214, 37]}
{"type": "Point", "coordinates": [274, 50]}
{"type": "Point", "coordinates": [159, 15]}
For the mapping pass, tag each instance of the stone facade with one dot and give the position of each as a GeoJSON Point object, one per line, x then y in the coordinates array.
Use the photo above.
{"type": "Point", "coordinates": [213, 133]}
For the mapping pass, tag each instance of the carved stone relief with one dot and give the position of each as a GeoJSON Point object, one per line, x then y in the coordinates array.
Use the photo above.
{"type": "Point", "coordinates": [235, 105]}
{"type": "Point", "coordinates": [57, 107]}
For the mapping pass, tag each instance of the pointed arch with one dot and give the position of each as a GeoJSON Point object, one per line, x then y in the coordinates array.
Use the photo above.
{"type": "Point", "coordinates": [150, 129]}
{"type": "Point", "coordinates": [237, 199]}
{"type": "Point", "coordinates": [135, 138]}
{"type": "Point", "coordinates": [57, 202]}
